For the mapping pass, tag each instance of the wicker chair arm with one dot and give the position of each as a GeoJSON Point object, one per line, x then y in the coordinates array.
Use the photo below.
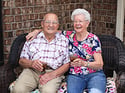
{"type": "Point", "coordinates": [7, 76]}
{"type": "Point", "coordinates": [121, 66]}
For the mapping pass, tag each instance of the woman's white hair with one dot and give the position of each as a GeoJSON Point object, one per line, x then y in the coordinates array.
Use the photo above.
{"type": "Point", "coordinates": [81, 11]}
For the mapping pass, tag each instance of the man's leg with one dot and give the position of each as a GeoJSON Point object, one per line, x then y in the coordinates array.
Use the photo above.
{"type": "Point", "coordinates": [52, 86]}
{"type": "Point", "coordinates": [26, 82]}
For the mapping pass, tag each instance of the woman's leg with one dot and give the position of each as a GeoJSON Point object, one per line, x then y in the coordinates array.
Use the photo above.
{"type": "Point", "coordinates": [75, 84]}
{"type": "Point", "coordinates": [96, 82]}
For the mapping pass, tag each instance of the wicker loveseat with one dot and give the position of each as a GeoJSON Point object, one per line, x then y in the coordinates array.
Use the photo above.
{"type": "Point", "coordinates": [113, 53]}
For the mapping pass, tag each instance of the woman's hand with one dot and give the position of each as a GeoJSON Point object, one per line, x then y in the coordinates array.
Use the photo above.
{"type": "Point", "coordinates": [33, 34]}
{"type": "Point", "coordinates": [77, 62]}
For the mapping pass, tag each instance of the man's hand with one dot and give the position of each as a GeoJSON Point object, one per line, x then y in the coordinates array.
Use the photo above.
{"type": "Point", "coordinates": [38, 65]}
{"type": "Point", "coordinates": [46, 77]}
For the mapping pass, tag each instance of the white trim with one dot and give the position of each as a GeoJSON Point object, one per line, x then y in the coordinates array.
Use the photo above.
{"type": "Point", "coordinates": [120, 19]}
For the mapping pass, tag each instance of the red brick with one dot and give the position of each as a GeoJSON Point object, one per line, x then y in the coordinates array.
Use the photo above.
{"type": "Point", "coordinates": [28, 10]}
{"type": "Point", "coordinates": [16, 25]}
{"type": "Point", "coordinates": [11, 3]}
{"type": "Point", "coordinates": [18, 18]}
{"type": "Point", "coordinates": [6, 56]}
{"type": "Point", "coordinates": [25, 17]}
{"type": "Point", "coordinates": [7, 27]}
{"type": "Point", "coordinates": [37, 23]}
{"type": "Point", "coordinates": [7, 42]}
{"type": "Point", "coordinates": [24, 2]}
{"type": "Point", "coordinates": [6, 12]}
{"type": "Point", "coordinates": [106, 6]}
{"type": "Point", "coordinates": [43, 2]}
{"type": "Point", "coordinates": [32, 16]}
{"type": "Point", "coordinates": [8, 34]}
{"type": "Point", "coordinates": [41, 15]}
{"type": "Point", "coordinates": [102, 12]}
{"type": "Point", "coordinates": [19, 32]}
{"type": "Point", "coordinates": [16, 11]}
{"type": "Point", "coordinates": [5, 3]}
{"type": "Point", "coordinates": [30, 2]}
{"type": "Point", "coordinates": [18, 3]}
{"type": "Point", "coordinates": [39, 9]}
{"type": "Point", "coordinates": [7, 48]}
{"type": "Point", "coordinates": [27, 24]}
{"type": "Point", "coordinates": [38, 2]}
{"type": "Point", "coordinates": [8, 19]}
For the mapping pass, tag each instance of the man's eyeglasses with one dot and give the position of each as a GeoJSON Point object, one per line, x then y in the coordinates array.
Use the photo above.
{"type": "Point", "coordinates": [52, 22]}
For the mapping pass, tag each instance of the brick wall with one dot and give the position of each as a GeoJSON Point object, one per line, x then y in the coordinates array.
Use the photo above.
{"type": "Point", "coordinates": [22, 16]}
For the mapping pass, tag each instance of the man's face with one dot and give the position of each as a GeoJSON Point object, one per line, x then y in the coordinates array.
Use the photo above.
{"type": "Point", "coordinates": [50, 23]}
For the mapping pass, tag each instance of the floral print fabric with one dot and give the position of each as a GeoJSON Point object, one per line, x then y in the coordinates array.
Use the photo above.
{"type": "Point", "coordinates": [83, 50]}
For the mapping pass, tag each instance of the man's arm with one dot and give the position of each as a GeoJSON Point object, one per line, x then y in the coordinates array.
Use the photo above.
{"type": "Point", "coordinates": [56, 73]}
{"type": "Point", "coordinates": [60, 71]}
{"type": "Point", "coordinates": [26, 63]}
{"type": "Point", "coordinates": [36, 64]}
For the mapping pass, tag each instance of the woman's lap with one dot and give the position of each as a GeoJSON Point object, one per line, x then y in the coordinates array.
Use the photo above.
{"type": "Point", "coordinates": [93, 82]}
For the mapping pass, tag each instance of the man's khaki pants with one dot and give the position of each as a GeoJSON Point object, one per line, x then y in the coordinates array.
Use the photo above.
{"type": "Point", "coordinates": [29, 80]}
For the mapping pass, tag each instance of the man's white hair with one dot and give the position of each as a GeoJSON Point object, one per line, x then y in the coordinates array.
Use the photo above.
{"type": "Point", "coordinates": [81, 11]}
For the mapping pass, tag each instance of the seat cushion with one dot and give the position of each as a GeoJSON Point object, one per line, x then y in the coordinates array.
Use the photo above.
{"type": "Point", "coordinates": [110, 87]}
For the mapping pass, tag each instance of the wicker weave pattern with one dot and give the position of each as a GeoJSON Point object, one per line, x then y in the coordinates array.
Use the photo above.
{"type": "Point", "coordinates": [7, 74]}
{"type": "Point", "coordinates": [112, 51]}
{"type": "Point", "coordinates": [6, 77]}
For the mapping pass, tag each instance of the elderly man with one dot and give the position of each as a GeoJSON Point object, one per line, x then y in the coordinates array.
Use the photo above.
{"type": "Point", "coordinates": [45, 59]}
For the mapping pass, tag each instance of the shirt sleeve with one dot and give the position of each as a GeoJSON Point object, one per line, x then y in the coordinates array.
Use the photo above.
{"type": "Point", "coordinates": [66, 58]}
{"type": "Point", "coordinates": [25, 51]}
{"type": "Point", "coordinates": [96, 45]}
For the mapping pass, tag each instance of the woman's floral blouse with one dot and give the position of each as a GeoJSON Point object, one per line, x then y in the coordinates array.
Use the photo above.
{"type": "Point", "coordinates": [82, 49]}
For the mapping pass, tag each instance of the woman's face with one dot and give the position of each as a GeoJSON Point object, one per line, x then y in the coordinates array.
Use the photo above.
{"type": "Point", "coordinates": [80, 24]}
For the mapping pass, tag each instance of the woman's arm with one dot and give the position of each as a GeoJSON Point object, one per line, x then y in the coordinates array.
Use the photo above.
{"type": "Point", "coordinates": [33, 34]}
{"type": "Point", "coordinates": [96, 64]}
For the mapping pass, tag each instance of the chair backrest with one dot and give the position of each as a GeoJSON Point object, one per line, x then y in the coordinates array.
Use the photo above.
{"type": "Point", "coordinates": [122, 61]}
{"type": "Point", "coordinates": [111, 49]}
{"type": "Point", "coordinates": [15, 50]}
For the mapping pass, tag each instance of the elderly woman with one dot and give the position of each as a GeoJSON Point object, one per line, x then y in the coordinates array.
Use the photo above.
{"type": "Point", "coordinates": [85, 70]}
